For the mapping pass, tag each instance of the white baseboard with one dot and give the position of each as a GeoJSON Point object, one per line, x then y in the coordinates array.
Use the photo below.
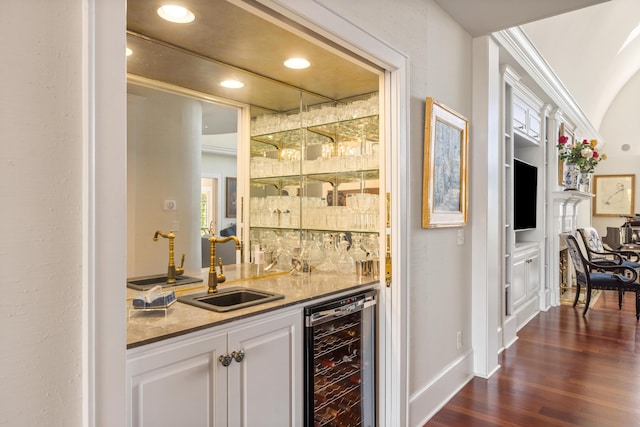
{"type": "Point", "coordinates": [527, 311]}
{"type": "Point", "coordinates": [545, 299]}
{"type": "Point", "coordinates": [425, 403]}
{"type": "Point", "coordinates": [509, 329]}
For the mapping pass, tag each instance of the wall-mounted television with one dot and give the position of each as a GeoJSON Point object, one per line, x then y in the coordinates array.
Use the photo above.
{"type": "Point", "coordinates": [525, 194]}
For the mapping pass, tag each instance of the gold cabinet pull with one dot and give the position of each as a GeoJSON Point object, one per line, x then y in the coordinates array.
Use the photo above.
{"type": "Point", "coordinates": [238, 356]}
{"type": "Point", "coordinates": [225, 359]}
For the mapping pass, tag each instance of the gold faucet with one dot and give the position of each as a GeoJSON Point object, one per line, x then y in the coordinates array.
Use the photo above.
{"type": "Point", "coordinates": [214, 277]}
{"type": "Point", "coordinates": [172, 271]}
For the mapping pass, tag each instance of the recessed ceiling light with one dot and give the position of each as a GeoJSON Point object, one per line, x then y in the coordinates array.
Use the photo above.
{"type": "Point", "coordinates": [626, 147]}
{"type": "Point", "coordinates": [232, 84]}
{"type": "Point", "coordinates": [129, 52]}
{"type": "Point", "coordinates": [177, 14]}
{"type": "Point", "coordinates": [297, 63]}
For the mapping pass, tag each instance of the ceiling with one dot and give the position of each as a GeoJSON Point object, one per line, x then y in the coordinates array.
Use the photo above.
{"type": "Point", "coordinates": [581, 46]}
{"type": "Point", "coordinates": [228, 42]}
{"type": "Point", "coordinates": [588, 59]}
{"type": "Point", "coordinates": [482, 17]}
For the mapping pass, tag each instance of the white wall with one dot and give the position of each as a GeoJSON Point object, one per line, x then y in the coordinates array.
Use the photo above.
{"type": "Point", "coordinates": [42, 218]}
{"type": "Point", "coordinates": [620, 125]}
{"type": "Point", "coordinates": [439, 288]}
{"type": "Point", "coordinates": [164, 159]}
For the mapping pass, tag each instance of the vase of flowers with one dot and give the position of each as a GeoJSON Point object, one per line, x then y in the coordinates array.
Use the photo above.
{"type": "Point", "coordinates": [578, 158]}
{"type": "Point", "coordinates": [571, 176]}
{"type": "Point", "coordinates": [585, 182]}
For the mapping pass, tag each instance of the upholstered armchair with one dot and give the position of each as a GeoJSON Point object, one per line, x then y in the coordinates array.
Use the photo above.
{"type": "Point", "coordinates": [601, 276]}
{"type": "Point", "coordinates": [597, 252]}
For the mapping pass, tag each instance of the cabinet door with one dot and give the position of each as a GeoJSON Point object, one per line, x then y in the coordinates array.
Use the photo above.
{"type": "Point", "coordinates": [533, 273]}
{"type": "Point", "coordinates": [180, 385]}
{"type": "Point", "coordinates": [519, 112]}
{"type": "Point", "coordinates": [265, 388]}
{"type": "Point", "coordinates": [519, 280]}
{"type": "Point", "coordinates": [533, 128]}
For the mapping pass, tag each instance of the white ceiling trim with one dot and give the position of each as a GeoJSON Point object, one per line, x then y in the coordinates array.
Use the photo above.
{"type": "Point", "coordinates": [518, 45]}
{"type": "Point", "coordinates": [223, 151]}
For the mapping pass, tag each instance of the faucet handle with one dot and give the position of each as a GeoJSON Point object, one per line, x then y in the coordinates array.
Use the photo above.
{"type": "Point", "coordinates": [180, 270]}
{"type": "Point", "coordinates": [221, 276]}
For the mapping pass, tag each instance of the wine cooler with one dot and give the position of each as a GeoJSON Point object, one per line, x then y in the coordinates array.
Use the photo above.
{"type": "Point", "coordinates": [340, 367]}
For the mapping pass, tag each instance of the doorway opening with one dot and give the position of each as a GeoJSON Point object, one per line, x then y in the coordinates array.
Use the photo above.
{"type": "Point", "coordinates": [208, 205]}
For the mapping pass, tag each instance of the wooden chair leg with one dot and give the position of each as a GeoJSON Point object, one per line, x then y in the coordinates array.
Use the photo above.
{"type": "Point", "coordinates": [575, 300]}
{"type": "Point", "coordinates": [637, 305]}
{"type": "Point", "coordinates": [588, 300]}
{"type": "Point", "coordinates": [620, 294]}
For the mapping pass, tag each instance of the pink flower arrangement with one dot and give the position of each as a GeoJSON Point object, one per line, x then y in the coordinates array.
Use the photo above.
{"type": "Point", "coordinates": [584, 155]}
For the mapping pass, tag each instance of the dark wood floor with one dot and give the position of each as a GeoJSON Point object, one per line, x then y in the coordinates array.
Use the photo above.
{"type": "Point", "coordinates": [564, 370]}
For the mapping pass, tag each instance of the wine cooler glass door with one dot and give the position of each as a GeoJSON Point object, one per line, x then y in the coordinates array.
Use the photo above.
{"type": "Point", "coordinates": [340, 362]}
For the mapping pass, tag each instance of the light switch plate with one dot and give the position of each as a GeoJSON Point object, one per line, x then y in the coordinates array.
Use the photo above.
{"type": "Point", "coordinates": [460, 237]}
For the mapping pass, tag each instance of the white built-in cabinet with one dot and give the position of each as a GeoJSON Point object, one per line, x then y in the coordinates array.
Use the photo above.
{"type": "Point", "coordinates": [526, 117]}
{"type": "Point", "coordinates": [525, 280]}
{"type": "Point", "coordinates": [524, 127]}
{"type": "Point", "coordinates": [247, 375]}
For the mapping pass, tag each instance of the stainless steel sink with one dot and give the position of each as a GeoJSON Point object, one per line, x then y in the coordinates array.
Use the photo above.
{"type": "Point", "coordinates": [147, 282]}
{"type": "Point", "coordinates": [230, 299]}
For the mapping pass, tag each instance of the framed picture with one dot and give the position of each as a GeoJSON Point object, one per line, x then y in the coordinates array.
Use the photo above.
{"type": "Point", "coordinates": [231, 197]}
{"type": "Point", "coordinates": [444, 182]}
{"type": "Point", "coordinates": [614, 195]}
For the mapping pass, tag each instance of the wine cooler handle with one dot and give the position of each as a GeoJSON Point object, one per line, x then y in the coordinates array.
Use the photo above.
{"type": "Point", "coordinates": [238, 356]}
{"type": "Point", "coordinates": [225, 359]}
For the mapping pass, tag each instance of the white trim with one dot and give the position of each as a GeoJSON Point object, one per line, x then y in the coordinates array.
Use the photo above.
{"type": "Point", "coordinates": [453, 378]}
{"type": "Point", "coordinates": [88, 209]}
{"type": "Point", "coordinates": [516, 42]}
{"type": "Point", "coordinates": [486, 286]}
{"type": "Point", "coordinates": [221, 151]}
{"type": "Point", "coordinates": [105, 212]}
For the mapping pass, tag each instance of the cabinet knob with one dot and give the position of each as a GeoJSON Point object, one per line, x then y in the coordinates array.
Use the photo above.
{"type": "Point", "coordinates": [238, 356]}
{"type": "Point", "coordinates": [225, 359]}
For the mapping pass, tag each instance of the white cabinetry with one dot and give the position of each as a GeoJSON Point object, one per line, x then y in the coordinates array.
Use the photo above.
{"type": "Point", "coordinates": [184, 382]}
{"type": "Point", "coordinates": [526, 117]}
{"type": "Point", "coordinates": [525, 282]}
{"type": "Point", "coordinates": [524, 124]}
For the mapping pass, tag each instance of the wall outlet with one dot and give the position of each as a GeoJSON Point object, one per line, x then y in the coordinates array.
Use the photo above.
{"type": "Point", "coordinates": [169, 205]}
{"type": "Point", "coordinates": [459, 340]}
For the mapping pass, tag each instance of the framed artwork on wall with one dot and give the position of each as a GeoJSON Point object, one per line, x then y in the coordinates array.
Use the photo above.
{"type": "Point", "coordinates": [231, 197]}
{"type": "Point", "coordinates": [614, 195]}
{"type": "Point", "coordinates": [444, 182]}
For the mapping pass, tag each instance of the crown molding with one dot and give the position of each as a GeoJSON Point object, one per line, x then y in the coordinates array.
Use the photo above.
{"type": "Point", "coordinates": [519, 46]}
{"type": "Point", "coordinates": [223, 151]}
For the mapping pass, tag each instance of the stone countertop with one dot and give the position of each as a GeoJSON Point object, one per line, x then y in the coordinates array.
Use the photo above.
{"type": "Point", "coordinates": [146, 327]}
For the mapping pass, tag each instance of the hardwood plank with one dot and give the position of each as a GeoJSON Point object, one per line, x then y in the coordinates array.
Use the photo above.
{"type": "Point", "coordinates": [565, 370]}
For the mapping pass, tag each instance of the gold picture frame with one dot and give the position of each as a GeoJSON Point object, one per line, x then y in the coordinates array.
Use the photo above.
{"type": "Point", "coordinates": [614, 195]}
{"type": "Point", "coordinates": [444, 182]}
